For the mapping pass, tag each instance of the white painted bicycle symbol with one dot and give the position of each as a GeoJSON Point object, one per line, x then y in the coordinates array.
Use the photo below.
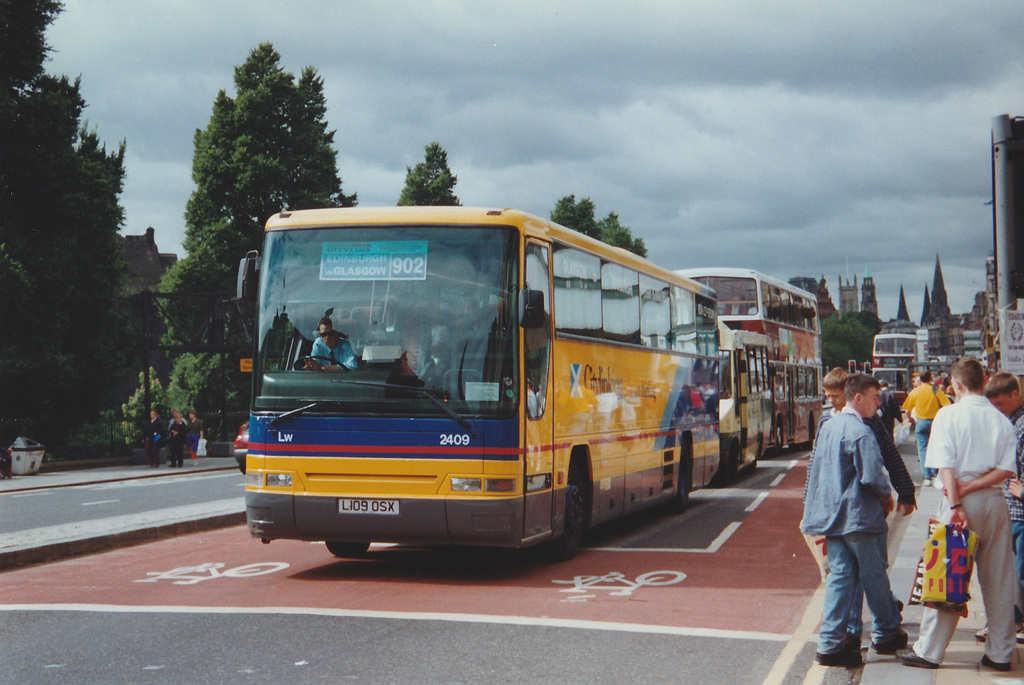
{"type": "Point", "coordinates": [618, 584]}
{"type": "Point", "coordinates": [191, 575]}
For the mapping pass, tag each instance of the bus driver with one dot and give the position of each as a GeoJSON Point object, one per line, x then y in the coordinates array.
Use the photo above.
{"type": "Point", "coordinates": [332, 350]}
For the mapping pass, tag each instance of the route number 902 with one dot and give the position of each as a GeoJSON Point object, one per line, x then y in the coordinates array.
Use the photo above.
{"type": "Point", "coordinates": [454, 439]}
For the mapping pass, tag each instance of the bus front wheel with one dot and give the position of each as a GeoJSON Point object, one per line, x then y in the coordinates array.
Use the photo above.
{"type": "Point", "coordinates": [681, 500]}
{"type": "Point", "coordinates": [574, 518]}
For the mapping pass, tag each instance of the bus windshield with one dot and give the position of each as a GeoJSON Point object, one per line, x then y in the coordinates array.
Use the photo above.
{"type": "Point", "coordinates": [422, 314]}
{"type": "Point", "coordinates": [736, 296]}
{"type": "Point", "coordinates": [894, 345]}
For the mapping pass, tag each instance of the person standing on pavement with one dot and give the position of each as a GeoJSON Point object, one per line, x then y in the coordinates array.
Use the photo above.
{"type": "Point", "coordinates": [848, 498]}
{"type": "Point", "coordinates": [1003, 391]}
{"type": "Point", "coordinates": [923, 403]}
{"type": "Point", "coordinates": [890, 411]}
{"type": "Point", "coordinates": [179, 436]}
{"type": "Point", "coordinates": [973, 446]}
{"type": "Point", "coordinates": [195, 434]}
{"type": "Point", "coordinates": [834, 383]}
{"type": "Point", "coordinates": [152, 434]}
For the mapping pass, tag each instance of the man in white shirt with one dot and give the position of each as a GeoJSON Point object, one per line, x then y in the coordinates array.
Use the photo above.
{"type": "Point", "coordinates": [974, 448]}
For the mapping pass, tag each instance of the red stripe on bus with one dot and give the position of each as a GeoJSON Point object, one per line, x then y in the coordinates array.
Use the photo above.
{"type": "Point", "coordinates": [379, 449]}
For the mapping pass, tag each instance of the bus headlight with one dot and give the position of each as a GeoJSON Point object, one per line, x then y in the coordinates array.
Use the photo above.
{"type": "Point", "coordinates": [465, 485]}
{"type": "Point", "coordinates": [254, 479]}
{"type": "Point", "coordinates": [279, 480]}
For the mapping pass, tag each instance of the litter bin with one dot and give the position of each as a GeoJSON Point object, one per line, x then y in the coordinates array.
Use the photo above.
{"type": "Point", "coordinates": [26, 456]}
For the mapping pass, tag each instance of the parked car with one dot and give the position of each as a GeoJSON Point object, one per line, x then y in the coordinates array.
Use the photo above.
{"type": "Point", "coordinates": [242, 445]}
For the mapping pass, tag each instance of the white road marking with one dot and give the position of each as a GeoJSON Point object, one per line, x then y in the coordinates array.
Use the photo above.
{"type": "Point", "coordinates": [416, 616]}
{"type": "Point", "coordinates": [805, 633]}
{"type": "Point", "coordinates": [102, 501]}
{"type": "Point", "coordinates": [753, 505]}
{"type": "Point", "coordinates": [715, 545]}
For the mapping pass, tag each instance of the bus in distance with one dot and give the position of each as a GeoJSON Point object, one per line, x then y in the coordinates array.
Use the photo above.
{"type": "Point", "coordinates": [454, 376]}
{"type": "Point", "coordinates": [751, 301]}
{"type": "Point", "coordinates": [745, 401]}
{"type": "Point", "coordinates": [891, 359]}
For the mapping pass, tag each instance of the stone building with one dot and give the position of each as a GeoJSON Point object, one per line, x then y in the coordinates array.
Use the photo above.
{"type": "Point", "coordinates": [945, 330]}
{"type": "Point", "coordinates": [848, 300]}
{"type": "Point", "coordinates": [868, 300]}
{"type": "Point", "coordinates": [146, 264]}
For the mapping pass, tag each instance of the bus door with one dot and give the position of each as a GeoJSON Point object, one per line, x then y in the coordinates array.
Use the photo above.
{"type": "Point", "coordinates": [741, 390]}
{"type": "Point", "coordinates": [539, 476]}
{"type": "Point", "coordinates": [791, 393]}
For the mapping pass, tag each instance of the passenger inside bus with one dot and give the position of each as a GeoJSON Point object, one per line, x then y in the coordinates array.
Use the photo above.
{"type": "Point", "coordinates": [438, 361]}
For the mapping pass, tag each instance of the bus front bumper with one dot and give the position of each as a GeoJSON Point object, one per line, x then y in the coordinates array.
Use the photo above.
{"type": "Point", "coordinates": [491, 522]}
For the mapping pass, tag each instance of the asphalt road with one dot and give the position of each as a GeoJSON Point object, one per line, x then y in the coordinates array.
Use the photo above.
{"type": "Point", "coordinates": [71, 504]}
{"type": "Point", "coordinates": [716, 595]}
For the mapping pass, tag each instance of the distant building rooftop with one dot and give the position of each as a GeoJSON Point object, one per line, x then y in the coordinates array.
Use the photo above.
{"type": "Point", "coordinates": [146, 264]}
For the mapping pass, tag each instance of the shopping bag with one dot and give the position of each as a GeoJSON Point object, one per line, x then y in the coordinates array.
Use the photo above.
{"type": "Point", "coordinates": [201, 447]}
{"type": "Point", "coordinates": [819, 550]}
{"type": "Point", "coordinates": [943, 575]}
{"type": "Point", "coordinates": [902, 434]}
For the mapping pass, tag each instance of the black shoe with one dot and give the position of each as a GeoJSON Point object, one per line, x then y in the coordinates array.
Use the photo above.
{"type": "Point", "coordinates": [851, 643]}
{"type": "Point", "coordinates": [995, 665]}
{"type": "Point", "coordinates": [908, 657]}
{"type": "Point", "coordinates": [841, 658]}
{"type": "Point", "coordinates": [890, 646]}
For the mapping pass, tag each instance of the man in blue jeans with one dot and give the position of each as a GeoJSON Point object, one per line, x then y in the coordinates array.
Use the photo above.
{"type": "Point", "coordinates": [848, 497]}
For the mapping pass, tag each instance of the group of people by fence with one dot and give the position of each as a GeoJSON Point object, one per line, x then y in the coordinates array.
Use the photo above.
{"type": "Point", "coordinates": [175, 436]}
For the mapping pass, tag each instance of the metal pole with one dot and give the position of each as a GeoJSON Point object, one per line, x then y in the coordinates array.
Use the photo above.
{"type": "Point", "coordinates": [1002, 207]}
{"type": "Point", "coordinates": [145, 353]}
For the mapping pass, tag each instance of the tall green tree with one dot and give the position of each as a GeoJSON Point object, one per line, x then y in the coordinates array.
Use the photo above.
{"type": "Point", "coordinates": [431, 182]}
{"type": "Point", "coordinates": [265, 150]}
{"type": "Point", "coordinates": [614, 233]}
{"type": "Point", "coordinates": [580, 216]}
{"type": "Point", "coordinates": [62, 274]}
{"type": "Point", "coordinates": [848, 336]}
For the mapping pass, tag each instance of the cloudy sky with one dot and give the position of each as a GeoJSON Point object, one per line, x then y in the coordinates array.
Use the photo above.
{"type": "Point", "coordinates": [794, 137]}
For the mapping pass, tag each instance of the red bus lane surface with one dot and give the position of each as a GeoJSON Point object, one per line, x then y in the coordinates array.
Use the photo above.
{"type": "Point", "coordinates": [759, 581]}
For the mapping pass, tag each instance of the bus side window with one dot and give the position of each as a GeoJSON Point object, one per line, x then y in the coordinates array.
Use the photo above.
{"type": "Point", "coordinates": [537, 341]}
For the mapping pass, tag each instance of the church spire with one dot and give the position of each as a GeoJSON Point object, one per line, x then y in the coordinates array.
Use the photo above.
{"type": "Point", "coordinates": [926, 311]}
{"type": "Point", "coordinates": [902, 314]}
{"type": "Point", "coordinates": [940, 305]}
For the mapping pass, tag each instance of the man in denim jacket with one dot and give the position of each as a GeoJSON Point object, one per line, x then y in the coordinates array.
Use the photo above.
{"type": "Point", "coordinates": [848, 497]}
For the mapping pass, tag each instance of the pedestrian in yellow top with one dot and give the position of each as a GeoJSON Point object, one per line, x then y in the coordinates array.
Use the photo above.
{"type": "Point", "coordinates": [923, 403]}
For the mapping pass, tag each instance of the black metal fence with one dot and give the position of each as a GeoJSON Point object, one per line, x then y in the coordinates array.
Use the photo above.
{"type": "Point", "coordinates": [100, 439]}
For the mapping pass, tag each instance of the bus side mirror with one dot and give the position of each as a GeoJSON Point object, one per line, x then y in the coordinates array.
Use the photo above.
{"type": "Point", "coordinates": [531, 308]}
{"type": "Point", "coordinates": [741, 366]}
{"type": "Point", "coordinates": [248, 277]}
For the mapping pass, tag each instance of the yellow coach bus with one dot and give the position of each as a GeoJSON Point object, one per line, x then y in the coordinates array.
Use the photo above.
{"type": "Point", "coordinates": [457, 376]}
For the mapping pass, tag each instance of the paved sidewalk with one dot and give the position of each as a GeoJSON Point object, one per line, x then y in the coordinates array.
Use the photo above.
{"type": "Point", "coordinates": [48, 543]}
{"type": "Point", "coordinates": [962, 664]}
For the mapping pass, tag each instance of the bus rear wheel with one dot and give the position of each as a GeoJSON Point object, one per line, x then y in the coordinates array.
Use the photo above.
{"type": "Point", "coordinates": [347, 550]}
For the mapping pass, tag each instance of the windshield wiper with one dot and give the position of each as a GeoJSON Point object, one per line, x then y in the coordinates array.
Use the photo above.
{"type": "Point", "coordinates": [313, 404]}
{"type": "Point", "coordinates": [425, 392]}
